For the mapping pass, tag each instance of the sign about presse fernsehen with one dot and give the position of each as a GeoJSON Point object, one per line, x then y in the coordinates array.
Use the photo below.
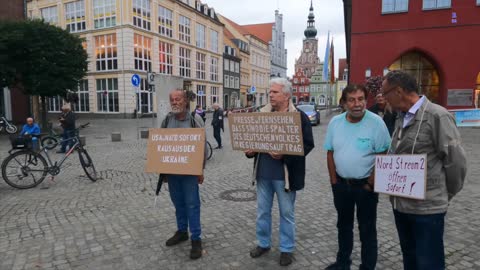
{"type": "Point", "coordinates": [176, 151]}
{"type": "Point", "coordinates": [267, 132]}
{"type": "Point", "coordinates": [401, 175]}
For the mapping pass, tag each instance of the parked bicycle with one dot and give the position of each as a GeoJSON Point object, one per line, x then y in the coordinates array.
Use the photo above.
{"type": "Point", "coordinates": [51, 140]}
{"type": "Point", "coordinates": [26, 168]}
{"type": "Point", "coordinates": [9, 128]}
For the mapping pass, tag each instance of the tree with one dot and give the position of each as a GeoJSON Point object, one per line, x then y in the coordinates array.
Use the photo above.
{"type": "Point", "coordinates": [373, 85]}
{"type": "Point", "coordinates": [40, 59]}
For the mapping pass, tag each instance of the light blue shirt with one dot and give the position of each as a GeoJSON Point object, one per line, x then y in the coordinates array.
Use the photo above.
{"type": "Point", "coordinates": [354, 145]}
{"type": "Point", "coordinates": [413, 110]}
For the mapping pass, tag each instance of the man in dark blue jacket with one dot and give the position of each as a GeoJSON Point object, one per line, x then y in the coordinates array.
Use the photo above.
{"type": "Point", "coordinates": [282, 175]}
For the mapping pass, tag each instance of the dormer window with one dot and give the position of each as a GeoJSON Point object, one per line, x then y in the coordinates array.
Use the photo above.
{"type": "Point", "coordinates": [199, 6]}
{"type": "Point", "coordinates": [205, 10]}
{"type": "Point", "coordinates": [212, 13]}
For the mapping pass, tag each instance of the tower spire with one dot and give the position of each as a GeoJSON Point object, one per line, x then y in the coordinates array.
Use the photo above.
{"type": "Point", "coordinates": [311, 32]}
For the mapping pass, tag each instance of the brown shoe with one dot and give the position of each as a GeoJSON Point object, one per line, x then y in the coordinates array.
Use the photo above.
{"type": "Point", "coordinates": [177, 238]}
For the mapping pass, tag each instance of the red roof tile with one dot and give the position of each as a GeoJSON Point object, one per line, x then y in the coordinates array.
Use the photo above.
{"type": "Point", "coordinates": [261, 30]}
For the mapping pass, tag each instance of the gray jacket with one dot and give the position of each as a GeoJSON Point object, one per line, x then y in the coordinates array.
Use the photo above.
{"type": "Point", "coordinates": [446, 161]}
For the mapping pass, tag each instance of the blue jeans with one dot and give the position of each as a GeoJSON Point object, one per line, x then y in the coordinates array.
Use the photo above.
{"type": "Point", "coordinates": [185, 196]}
{"type": "Point", "coordinates": [286, 204]}
{"type": "Point", "coordinates": [345, 198]}
{"type": "Point", "coordinates": [421, 239]}
{"type": "Point", "coordinates": [67, 134]}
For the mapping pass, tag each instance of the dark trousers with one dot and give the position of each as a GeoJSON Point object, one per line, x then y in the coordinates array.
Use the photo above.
{"type": "Point", "coordinates": [421, 240]}
{"type": "Point", "coordinates": [67, 134]}
{"type": "Point", "coordinates": [217, 136]}
{"type": "Point", "coordinates": [346, 196]}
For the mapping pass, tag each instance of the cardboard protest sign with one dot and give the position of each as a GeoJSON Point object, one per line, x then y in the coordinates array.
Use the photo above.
{"type": "Point", "coordinates": [401, 175]}
{"type": "Point", "coordinates": [267, 132]}
{"type": "Point", "coordinates": [176, 151]}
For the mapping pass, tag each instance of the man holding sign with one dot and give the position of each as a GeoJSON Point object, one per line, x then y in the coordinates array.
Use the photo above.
{"type": "Point", "coordinates": [423, 129]}
{"type": "Point", "coordinates": [184, 190]}
{"type": "Point", "coordinates": [352, 141]}
{"type": "Point", "coordinates": [282, 175]}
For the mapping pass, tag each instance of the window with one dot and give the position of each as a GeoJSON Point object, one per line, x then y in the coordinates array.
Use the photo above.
{"type": "Point", "coordinates": [295, 80]}
{"type": "Point", "coordinates": [184, 62]}
{"type": "Point", "coordinates": [478, 2]}
{"type": "Point", "coordinates": [226, 64]}
{"type": "Point", "coordinates": [232, 66]}
{"type": "Point", "coordinates": [226, 81]}
{"type": "Point", "coordinates": [237, 82]}
{"type": "Point", "coordinates": [213, 40]}
{"type": "Point", "coordinates": [232, 82]}
{"type": "Point", "coordinates": [83, 104]}
{"type": "Point", "coordinates": [75, 16]}
{"type": "Point", "coordinates": [184, 29]}
{"type": "Point", "coordinates": [214, 94]}
{"type": "Point", "coordinates": [237, 67]}
{"type": "Point", "coordinates": [141, 14]}
{"type": "Point", "coordinates": [214, 69]}
{"type": "Point", "coordinates": [166, 57]}
{"type": "Point", "coordinates": [201, 97]}
{"type": "Point", "coordinates": [106, 52]}
{"type": "Point", "coordinates": [104, 13]}
{"type": "Point", "coordinates": [107, 95]}
{"type": "Point", "coordinates": [142, 52]}
{"type": "Point", "coordinates": [55, 104]}
{"type": "Point", "coordinates": [434, 4]}
{"type": "Point", "coordinates": [392, 6]}
{"type": "Point", "coordinates": [186, 2]}
{"type": "Point", "coordinates": [200, 66]}
{"type": "Point", "coordinates": [200, 36]}
{"type": "Point", "coordinates": [165, 22]}
{"type": "Point", "coordinates": [144, 97]}
{"type": "Point", "coordinates": [50, 14]}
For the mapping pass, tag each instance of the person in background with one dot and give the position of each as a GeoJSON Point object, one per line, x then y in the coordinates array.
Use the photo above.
{"type": "Point", "coordinates": [217, 123]}
{"type": "Point", "coordinates": [67, 121]}
{"type": "Point", "coordinates": [198, 110]}
{"type": "Point", "coordinates": [384, 110]}
{"type": "Point", "coordinates": [31, 128]}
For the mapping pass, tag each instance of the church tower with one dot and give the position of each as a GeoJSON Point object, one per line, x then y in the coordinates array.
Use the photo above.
{"type": "Point", "coordinates": [309, 61]}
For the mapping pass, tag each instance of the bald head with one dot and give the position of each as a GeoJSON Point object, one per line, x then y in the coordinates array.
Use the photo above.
{"type": "Point", "coordinates": [30, 121]}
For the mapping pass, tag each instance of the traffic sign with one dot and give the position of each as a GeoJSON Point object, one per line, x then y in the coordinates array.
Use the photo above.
{"type": "Point", "coordinates": [151, 78]}
{"type": "Point", "coordinates": [253, 89]}
{"type": "Point", "coordinates": [135, 80]}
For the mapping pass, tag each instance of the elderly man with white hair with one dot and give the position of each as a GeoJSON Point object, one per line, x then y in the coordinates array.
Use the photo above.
{"type": "Point", "coordinates": [67, 121]}
{"type": "Point", "coordinates": [283, 175]}
{"type": "Point", "coordinates": [217, 123]}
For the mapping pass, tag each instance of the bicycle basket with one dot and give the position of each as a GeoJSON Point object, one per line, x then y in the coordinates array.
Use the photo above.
{"type": "Point", "coordinates": [21, 142]}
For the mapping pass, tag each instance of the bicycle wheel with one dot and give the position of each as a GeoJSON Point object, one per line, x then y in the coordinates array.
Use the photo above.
{"type": "Point", "coordinates": [11, 129]}
{"type": "Point", "coordinates": [209, 150]}
{"type": "Point", "coordinates": [24, 169]}
{"type": "Point", "coordinates": [49, 142]}
{"type": "Point", "coordinates": [87, 164]}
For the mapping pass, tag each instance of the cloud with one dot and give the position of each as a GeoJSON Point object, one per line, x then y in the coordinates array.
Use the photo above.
{"type": "Point", "coordinates": [328, 17]}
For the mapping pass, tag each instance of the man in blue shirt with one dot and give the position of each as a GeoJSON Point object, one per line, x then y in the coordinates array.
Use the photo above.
{"type": "Point", "coordinates": [353, 139]}
{"type": "Point", "coordinates": [30, 128]}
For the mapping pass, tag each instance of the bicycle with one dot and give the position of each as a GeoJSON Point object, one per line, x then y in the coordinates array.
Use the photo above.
{"type": "Point", "coordinates": [23, 163]}
{"type": "Point", "coordinates": [51, 140]}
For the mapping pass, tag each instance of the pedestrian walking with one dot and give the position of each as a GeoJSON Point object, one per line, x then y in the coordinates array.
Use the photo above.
{"type": "Point", "coordinates": [184, 189]}
{"type": "Point", "coordinates": [352, 141]}
{"type": "Point", "coordinates": [424, 127]}
{"type": "Point", "coordinates": [282, 175]}
{"type": "Point", "coordinates": [217, 123]}
{"type": "Point", "coordinates": [67, 121]}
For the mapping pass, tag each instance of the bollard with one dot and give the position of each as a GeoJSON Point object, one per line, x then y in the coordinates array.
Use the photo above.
{"type": "Point", "coordinates": [116, 136]}
{"type": "Point", "coordinates": [144, 134]}
{"type": "Point", "coordinates": [83, 140]}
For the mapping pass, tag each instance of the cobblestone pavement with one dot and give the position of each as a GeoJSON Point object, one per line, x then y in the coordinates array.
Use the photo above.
{"type": "Point", "coordinates": [113, 224]}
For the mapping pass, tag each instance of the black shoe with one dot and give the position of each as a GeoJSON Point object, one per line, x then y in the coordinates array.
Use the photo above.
{"type": "Point", "coordinates": [339, 266]}
{"type": "Point", "coordinates": [177, 238]}
{"type": "Point", "coordinates": [196, 251]}
{"type": "Point", "coordinates": [286, 258]}
{"type": "Point", "coordinates": [60, 152]}
{"type": "Point", "coordinates": [258, 251]}
{"type": "Point", "coordinates": [219, 147]}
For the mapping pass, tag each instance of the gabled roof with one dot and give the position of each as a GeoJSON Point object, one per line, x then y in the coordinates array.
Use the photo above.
{"type": "Point", "coordinates": [261, 30]}
{"type": "Point", "coordinates": [227, 33]}
{"type": "Point", "coordinates": [239, 28]}
{"type": "Point", "coordinates": [342, 65]}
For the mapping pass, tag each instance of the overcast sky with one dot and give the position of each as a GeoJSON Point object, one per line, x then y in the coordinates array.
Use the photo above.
{"type": "Point", "coordinates": [328, 17]}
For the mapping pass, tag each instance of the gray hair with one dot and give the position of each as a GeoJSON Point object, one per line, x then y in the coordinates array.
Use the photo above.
{"type": "Point", "coordinates": [402, 79]}
{"type": "Point", "coordinates": [286, 85]}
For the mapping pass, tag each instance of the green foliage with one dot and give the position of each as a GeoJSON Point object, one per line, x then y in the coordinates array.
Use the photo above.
{"type": "Point", "coordinates": [39, 58]}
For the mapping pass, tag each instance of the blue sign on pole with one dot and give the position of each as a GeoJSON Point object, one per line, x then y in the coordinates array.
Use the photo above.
{"type": "Point", "coordinates": [135, 80]}
{"type": "Point", "coordinates": [253, 89]}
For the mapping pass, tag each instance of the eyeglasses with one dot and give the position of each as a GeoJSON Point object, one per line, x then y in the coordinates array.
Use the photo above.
{"type": "Point", "coordinates": [385, 93]}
